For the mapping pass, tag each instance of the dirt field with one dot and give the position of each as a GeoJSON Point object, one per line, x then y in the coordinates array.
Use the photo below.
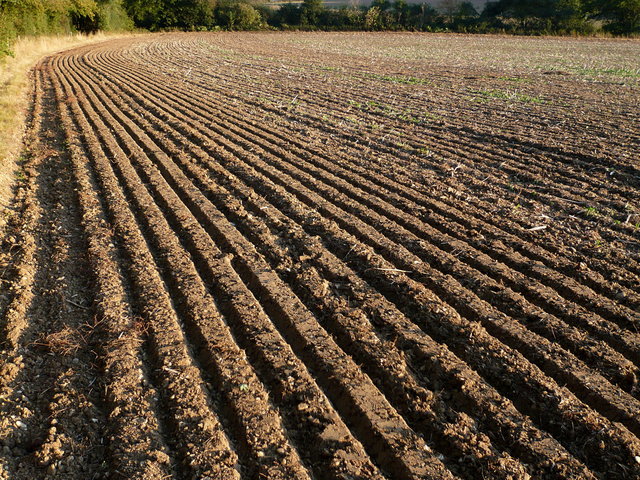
{"type": "Point", "coordinates": [326, 256]}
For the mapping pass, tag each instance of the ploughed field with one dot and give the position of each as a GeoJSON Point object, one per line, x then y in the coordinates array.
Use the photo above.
{"type": "Point", "coordinates": [326, 256]}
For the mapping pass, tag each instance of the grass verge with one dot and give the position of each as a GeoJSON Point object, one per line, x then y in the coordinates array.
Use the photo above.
{"type": "Point", "coordinates": [14, 96]}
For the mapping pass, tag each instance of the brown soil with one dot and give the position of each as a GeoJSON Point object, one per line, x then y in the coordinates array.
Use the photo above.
{"type": "Point", "coordinates": [264, 256]}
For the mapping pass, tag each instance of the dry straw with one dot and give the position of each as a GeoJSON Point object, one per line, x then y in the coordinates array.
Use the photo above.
{"type": "Point", "coordinates": [14, 96]}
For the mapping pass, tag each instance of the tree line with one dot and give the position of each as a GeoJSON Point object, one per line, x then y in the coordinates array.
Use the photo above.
{"type": "Point", "coordinates": [34, 17]}
{"type": "Point", "coordinates": [500, 16]}
{"type": "Point", "coordinates": [41, 17]}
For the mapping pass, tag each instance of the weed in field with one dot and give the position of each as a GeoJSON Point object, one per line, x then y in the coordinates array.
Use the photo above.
{"type": "Point", "coordinates": [507, 95]}
{"type": "Point", "coordinates": [404, 115]}
{"type": "Point", "coordinates": [515, 79]}
{"type": "Point", "coordinates": [409, 118]}
{"type": "Point", "coordinates": [426, 117]}
{"type": "Point", "coordinates": [402, 79]}
{"type": "Point", "coordinates": [329, 69]}
{"type": "Point", "coordinates": [615, 72]}
{"type": "Point", "coordinates": [293, 105]}
{"type": "Point", "coordinates": [591, 212]}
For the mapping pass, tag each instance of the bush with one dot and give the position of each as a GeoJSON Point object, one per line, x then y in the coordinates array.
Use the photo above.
{"type": "Point", "coordinates": [112, 16]}
{"type": "Point", "coordinates": [32, 17]}
{"type": "Point", "coordinates": [239, 16]}
{"type": "Point", "coordinates": [47, 17]}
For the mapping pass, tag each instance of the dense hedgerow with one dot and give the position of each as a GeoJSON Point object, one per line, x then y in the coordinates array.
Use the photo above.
{"type": "Point", "coordinates": [41, 17]}
{"type": "Point", "coordinates": [33, 17]}
{"type": "Point", "coordinates": [504, 16]}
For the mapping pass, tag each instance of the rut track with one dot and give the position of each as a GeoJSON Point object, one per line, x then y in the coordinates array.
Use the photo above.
{"type": "Point", "coordinates": [241, 278]}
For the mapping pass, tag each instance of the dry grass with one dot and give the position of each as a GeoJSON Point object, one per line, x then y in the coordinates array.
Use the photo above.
{"type": "Point", "coordinates": [64, 342]}
{"type": "Point", "coordinates": [14, 96]}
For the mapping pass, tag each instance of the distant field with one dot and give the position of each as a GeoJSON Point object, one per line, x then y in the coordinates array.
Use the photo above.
{"type": "Point", "coordinates": [326, 256]}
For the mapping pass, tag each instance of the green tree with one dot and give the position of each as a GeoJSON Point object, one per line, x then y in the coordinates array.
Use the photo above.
{"type": "Point", "coordinates": [150, 14]}
{"type": "Point", "coordinates": [401, 12]}
{"type": "Point", "coordinates": [464, 17]}
{"type": "Point", "coordinates": [538, 15]}
{"type": "Point", "coordinates": [288, 14]}
{"type": "Point", "coordinates": [466, 10]}
{"type": "Point", "coordinates": [373, 19]}
{"type": "Point", "coordinates": [310, 12]}
{"type": "Point", "coordinates": [624, 15]}
{"type": "Point", "coordinates": [382, 5]}
{"type": "Point", "coordinates": [112, 16]}
{"type": "Point", "coordinates": [423, 16]}
{"type": "Point", "coordinates": [238, 16]}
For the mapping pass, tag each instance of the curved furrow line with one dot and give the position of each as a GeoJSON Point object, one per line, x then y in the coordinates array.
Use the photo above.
{"type": "Point", "coordinates": [444, 83]}
{"type": "Point", "coordinates": [573, 293]}
{"type": "Point", "coordinates": [172, 177]}
{"type": "Point", "coordinates": [408, 223]}
{"type": "Point", "coordinates": [572, 269]}
{"type": "Point", "coordinates": [365, 75]}
{"type": "Point", "coordinates": [281, 364]}
{"type": "Point", "coordinates": [410, 464]}
{"type": "Point", "coordinates": [532, 455]}
{"type": "Point", "coordinates": [454, 151]}
{"type": "Point", "coordinates": [196, 433]}
{"type": "Point", "coordinates": [403, 186]}
{"type": "Point", "coordinates": [406, 304]}
{"type": "Point", "coordinates": [625, 375]}
{"type": "Point", "coordinates": [298, 256]}
{"type": "Point", "coordinates": [533, 192]}
{"type": "Point", "coordinates": [422, 393]}
{"type": "Point", "coordinates": [342, 106]}
{"type": "Point", "coordinates": [309, 79]}
{"type": "Point", "coordinates": [614, 340]}
{"type": "Point", "coordinates": [408, 185]}
{"type": "Point", "coordinates": [310, 90]}
{"type": "Point", "coordinates": [136, 444]}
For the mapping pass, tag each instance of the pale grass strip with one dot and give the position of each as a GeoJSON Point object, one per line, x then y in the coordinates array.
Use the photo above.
{"type": "Point", "coordinates": [14, 97]}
